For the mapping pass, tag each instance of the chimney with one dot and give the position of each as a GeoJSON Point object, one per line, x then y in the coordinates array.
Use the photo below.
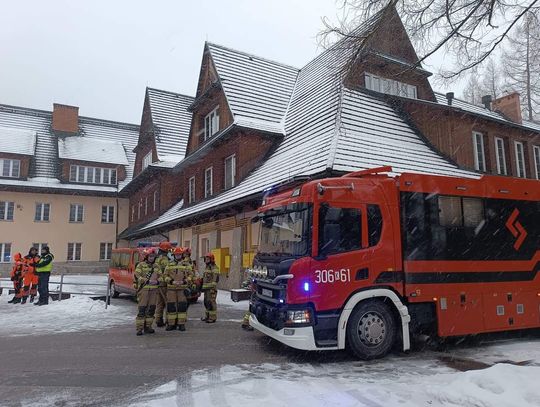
{"type": "Point", "coordinates": [509, 106]}
{"type": "Point", "coordinates": [65, 119]}
{"type": "Point", "coordinates": [486, 101]}
{"type": "Point", "coordinates": [450, 97]}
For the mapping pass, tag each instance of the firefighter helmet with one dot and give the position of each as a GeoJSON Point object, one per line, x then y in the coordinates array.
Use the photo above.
{"type": "Point", "coordinates": [165, 246]}
{"type": "Point", "coordinates": [17, 257]}
{"type": "Point", "coordinates": [148, 252]}
{"type": "Point", "coordinates": [178, 251]}
{"type": "Point", "coordinates": [187, 250]}
{"type": "Point", "coordinates": [210, 256]}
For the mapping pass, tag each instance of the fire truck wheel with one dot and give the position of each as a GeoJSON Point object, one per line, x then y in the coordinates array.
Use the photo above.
{"type": "Point", "coordinates": [113, 291]}
{"type": "Point", "coordinates": [371, 330]}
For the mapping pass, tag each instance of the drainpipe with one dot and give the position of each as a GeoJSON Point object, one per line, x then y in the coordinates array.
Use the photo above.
{"type": "Point", "coordinates": [116, 223]}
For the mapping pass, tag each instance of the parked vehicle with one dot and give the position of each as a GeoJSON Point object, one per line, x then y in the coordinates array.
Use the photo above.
{"type": "Point", "coordinates": [366, 260]}
{"type": "Point", "coordinates": [122, 266]}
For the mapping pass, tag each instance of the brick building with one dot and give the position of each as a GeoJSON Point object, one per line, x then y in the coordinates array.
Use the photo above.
{"type": "Point", "coordinates": [257, 123]}
{"type": "Point", "coordinates": [59, 180]}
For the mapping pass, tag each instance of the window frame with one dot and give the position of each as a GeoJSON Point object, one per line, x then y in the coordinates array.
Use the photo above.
{"type": "Point", "coordinates": [476, 135]}
{"type": "Point", "coordinates": [208, 183]}
{"type": "Point", "coordinates": [109, 213]}
{"type": "Point", "coordinates": [462, 215]}
{"type": "Point", "coordinates": [3, 246]}
{"type": "Point", "coordinates": [211, 123]}
{"type": "Point", "coordinates": [39, 246]}
{"type": "Point", "coordinates": [155, 200]}
{"type": "Point", "coordinates": [79, 174]}
{"type": "Point", "coordinates": [191, 190]}
{"type": "Point", "coordinates": [388, 86]}
{"type": "Point", "coordinates": [11, 169]}
{"type": "Point", "coordinates": [42, 212]}
{"type": "Point", "coordinates": [78, 208]}
{"type": "Point", "coordinates": [7, 205]}
{"type": "Point", "coordinates": [232, 160]}
{"type": "Point", "coordinates": [106, 248]}
{"type": "Point", "coordinates": [74, 246]}
{"type": "Point", "coordinates": [536, 154]}
{"type": "Point", "coordinates": [519, 169]}
{"type": "Point", "coordinates": [147, 160]}
{"type": "Point", "coordinates": [504, 169]}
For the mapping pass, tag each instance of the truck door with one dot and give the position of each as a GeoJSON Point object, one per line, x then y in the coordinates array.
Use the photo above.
{"type": "Point", "coordinates": [342, 259]}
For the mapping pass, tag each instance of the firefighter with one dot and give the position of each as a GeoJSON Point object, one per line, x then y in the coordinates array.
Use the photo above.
{"type": "Point", "coordinates": [43, 269]}
{"type": "Point", "coordinates": [248, 284]}
{"type": "Point", "coordinates": [146, 281]}
{"type": "Point", "coordinates": [17, 277]}
{"type": "Point", "coordinates": [30, 278]}
{"type": "Point", "coordinates": [162, 262]}
{"type": "Point", "coordinates": [178, 278]}
{"type": "Point", "coordinates": [190, 264]}
{"type": "Point", "coordinates": [209, 287]}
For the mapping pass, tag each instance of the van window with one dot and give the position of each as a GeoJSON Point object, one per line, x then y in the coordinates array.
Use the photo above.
{"type": "Point", "coordinates": [115, 260]}
{"type": "Point", "coordinates": [339, 229]}
{"type": "Point", "coordinates": [124, 260]}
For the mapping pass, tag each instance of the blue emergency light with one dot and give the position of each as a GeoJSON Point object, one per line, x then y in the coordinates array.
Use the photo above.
{"type": "Point", "coordinates": [306, 287]}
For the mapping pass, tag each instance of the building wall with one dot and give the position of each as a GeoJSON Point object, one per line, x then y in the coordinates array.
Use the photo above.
{"type": "Point", "coordinates": [451, 133]}
{"type": "Point", "coordinates": [23, 230]}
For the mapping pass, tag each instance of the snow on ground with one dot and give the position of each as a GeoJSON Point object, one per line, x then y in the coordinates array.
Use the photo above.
{"type": "Point", "coordinates": [408, 381]}
{"type": "Point", "coordinates": [224, 299]}
{"type": "Point", "coordinates": [79, 313]}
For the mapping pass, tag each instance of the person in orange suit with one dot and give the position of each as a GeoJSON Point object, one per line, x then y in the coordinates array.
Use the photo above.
{"type": "Point", "coordinates": [17, 277]}
{"type": "Point", "coordinates": [30, 279]}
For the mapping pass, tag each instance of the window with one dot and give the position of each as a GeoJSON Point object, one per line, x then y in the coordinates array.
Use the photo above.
{"type": "Point", "coordinates": [230, 171]}
{"type": "Point", "coordinates": [187, 244]}
{"type": "Point", "coordinates": [211, 123]}
{"type": "Point", "coordinates": [205, 246]}
{"type": "Point", "coordinates": [479, 154]}
{"type": "Point", "coordinates": [208, 182]}
{"type": "Point", "coordinates": [5, 252]}
{"type": "Point", "coordinates": [520, 160]}
{"type": "Point", "coordinates": [107, 214]}
{"type": "Point", "coordinates": [375, 223]}
{"type": "Point", "coordinates": [145, 205]}
{"type": "Point", "coordinates": [10, 168]}
{"type": "Point", "coordinates": [76, 213]}
{"type": "Point", "coordinates": [42, 212]}
{"type": "Point", "coordinates": [132, 213]}
{"type": "Point", "coordinates": [155, 200]}
{"type": "Point", "coordinates": [139, 206]}
{"type": "Point", "coordinates": [74, 251]}
{"type": "Point", "coordinates": [6, 210]}
{"type": "Point", "coordinates": [92, 175]}
{"type": "Point", "coordinates": [536, 151]}
{"type": "Point", "coordinates": [39, 246]}
{"type": "Point", "coordinates": [390, 86]}
{"type": "Point", "coordinates": [105, 250]}
{"type": "Point", "coordinates": [191, 190]}
{"type": "Point", "coordinates": [455, 211]}
{"type": "Point", "coordinates": [147, 160]}
{"type": "Point", "coordinates": [339, 230]}
{"type": "Point", "coordinates": [501, 156]}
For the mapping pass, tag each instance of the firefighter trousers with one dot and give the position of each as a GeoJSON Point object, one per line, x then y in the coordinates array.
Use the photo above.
{"type": "Point", "coordinates": [30, 285]}
{"type": "Point", "coordinates": [210, 304]}
{"type": "Point", "coordinates": [146, 299]}
{"type": "Point", "coordinates": [160, 302]}
{"type": "Point", "coordinates": [176, 306]}
{"type": "Point", "coordinates": [17, 286]}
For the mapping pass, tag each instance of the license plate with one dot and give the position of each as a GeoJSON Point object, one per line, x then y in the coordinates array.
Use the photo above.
{"type": "Point", "coordinates": [266, 292]}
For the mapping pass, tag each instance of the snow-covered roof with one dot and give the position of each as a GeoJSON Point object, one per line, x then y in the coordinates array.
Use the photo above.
{"type": "Point", "coordinates": [17, 141]}
{"type": "Point", "coordinates": [91, 149]}
{"type": "Point", "coordinates": [43, 171]}
{"type": "Point", "coordinates": [483, 111]}
{"type": "Point", "coordinates": [257, 90]}
{"type": "Point", "coordinates": [172, 123]}
{"type": "Point", "coordinates": [330, 127]}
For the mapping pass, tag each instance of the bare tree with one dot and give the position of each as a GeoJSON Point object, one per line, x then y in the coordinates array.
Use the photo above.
{"type": "Point", "coordinates": [522, 64]}
{"type": "Point", "coordinates": [473, 91]}
{"type": "Point", "coordinates": [470, 30]}
{"type": "Point", "coordinates": [484, 81]}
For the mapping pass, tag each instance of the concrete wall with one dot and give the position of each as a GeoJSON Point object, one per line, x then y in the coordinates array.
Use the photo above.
{"type": "Point", "coordinates": [58, 231]}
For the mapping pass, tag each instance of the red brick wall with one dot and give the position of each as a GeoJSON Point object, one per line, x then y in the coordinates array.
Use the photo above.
{"type": "Point", "coordinates": [139, 197]}
{"type": "Point", "coordinates": [65, 119]}
{"type": "Point", "coordinates": [250, 149]}
{"type": "Point", "coordinates": [451, 133]}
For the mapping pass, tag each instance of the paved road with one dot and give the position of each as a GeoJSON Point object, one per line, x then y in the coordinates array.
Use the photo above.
{"type": "Point", "coordinates": [107, 367]}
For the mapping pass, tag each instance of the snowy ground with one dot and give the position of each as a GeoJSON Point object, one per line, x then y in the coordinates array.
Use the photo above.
{"type": "Point", "coordinates": [420, 379]}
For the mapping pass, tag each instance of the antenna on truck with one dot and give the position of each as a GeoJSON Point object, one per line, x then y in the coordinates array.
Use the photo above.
{"type": "Point", "coordinates": [369, 171]}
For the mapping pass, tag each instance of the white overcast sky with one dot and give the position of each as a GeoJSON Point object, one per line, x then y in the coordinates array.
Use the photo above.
{"type": "Point", "coordinates": [101, 54]}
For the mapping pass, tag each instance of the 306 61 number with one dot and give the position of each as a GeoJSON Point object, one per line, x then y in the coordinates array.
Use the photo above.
{"type": "Point", "coordinates": [332, 276]}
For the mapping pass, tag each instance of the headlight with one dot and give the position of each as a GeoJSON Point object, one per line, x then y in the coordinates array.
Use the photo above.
{"type": "Point", "coordinates": [299, 317]}
{"type": "Point", "coordinates": [264, 272]}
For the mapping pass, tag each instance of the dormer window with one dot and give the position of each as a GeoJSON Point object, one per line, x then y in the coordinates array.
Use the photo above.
{"type": "Point", "coordinates": [10, 168]}
{"type": "Point", "coordinates": [147, 160]}
{"type": "Point", "coordinates": [211, 123]}
{"type": "Point", "coordinates": [390, 86]}
{"type": "Point", "coordinates": [92, 175]}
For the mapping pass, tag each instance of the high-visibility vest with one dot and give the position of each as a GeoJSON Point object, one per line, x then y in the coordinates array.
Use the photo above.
{"type": "Point", "coordinates": [47, 268]}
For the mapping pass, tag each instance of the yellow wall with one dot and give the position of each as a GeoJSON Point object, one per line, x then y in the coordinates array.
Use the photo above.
{"type": "Point", "coordinates": [23, 230]}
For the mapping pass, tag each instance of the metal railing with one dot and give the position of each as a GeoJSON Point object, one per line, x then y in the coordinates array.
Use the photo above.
{"type": "Point", "coordinates": [60, 288]}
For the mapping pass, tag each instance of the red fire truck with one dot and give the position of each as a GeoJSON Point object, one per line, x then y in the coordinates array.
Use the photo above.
{"type": "Point", "coordinates": [366, 260]}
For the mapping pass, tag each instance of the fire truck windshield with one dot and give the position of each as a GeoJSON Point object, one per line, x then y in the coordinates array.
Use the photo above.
{"type": "Point", "coordinates": [285, 230]}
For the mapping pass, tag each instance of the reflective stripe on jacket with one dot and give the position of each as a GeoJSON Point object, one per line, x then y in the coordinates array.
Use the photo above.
{"type": "Point", "coordinates": [45, 264]}
{"type": "Point", "coordinates": [210, 277]}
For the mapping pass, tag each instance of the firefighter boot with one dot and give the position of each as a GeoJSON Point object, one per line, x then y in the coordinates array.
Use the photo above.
{"type": "Point", "coordinates": [24, 300]}
{"type": "Point", "coordinates": [32, 298]}
{"type": "Point", "coordinates": [181, 327]}
{"type": "Point", "coordinates": [139, 332]}
{"type": "Point", "coordinates": [160, 323]}
{"type": "Point", "coordinates": [170, 327]}
{"type": "Point", "coordinates": [16, 300]}
{"type": "Point", "coordinates": [148, 330]}
{"type": "Point", "coordinates": [12, 301]}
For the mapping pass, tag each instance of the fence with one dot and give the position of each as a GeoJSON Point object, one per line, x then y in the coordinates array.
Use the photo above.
{"type": "Point", "coordinates": [61, 292]}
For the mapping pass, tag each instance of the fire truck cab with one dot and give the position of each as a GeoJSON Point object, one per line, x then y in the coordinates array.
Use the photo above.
{"type": "Point", "coordinates": [364, 260]}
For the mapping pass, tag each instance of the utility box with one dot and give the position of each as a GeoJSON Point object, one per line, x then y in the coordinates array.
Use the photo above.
{"type": "Point", "coordinates": [240, 294]}
{"type": "Point", "coordinates": [247, 259]}
{"type": "Point", "coordinates": [220, 255]}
